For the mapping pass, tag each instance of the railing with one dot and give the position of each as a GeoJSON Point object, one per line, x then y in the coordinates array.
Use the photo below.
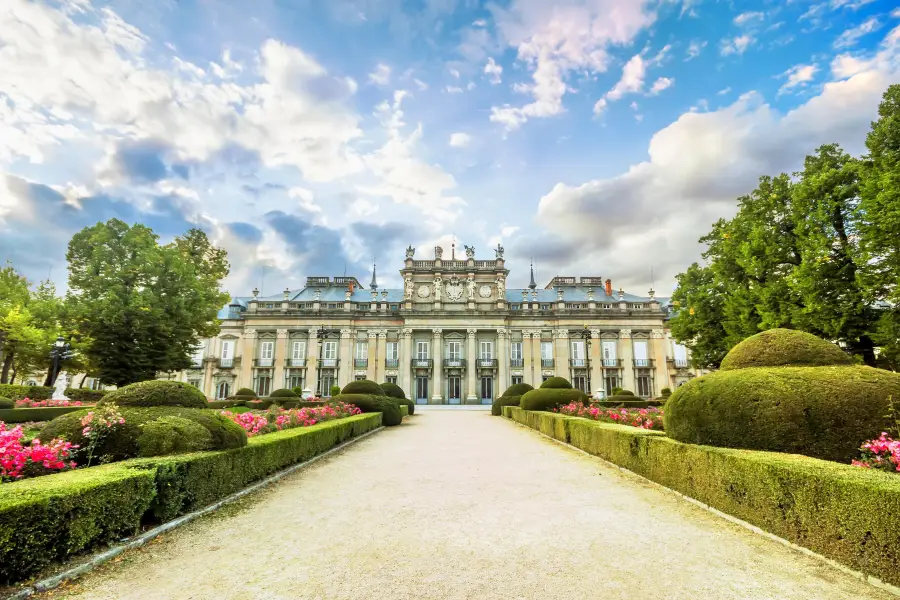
{"type": "Point", "coordinates": [547, 362]}
{"type": "Point", "coordinates": [421, 363]}
{"type": "Point", "coordinates": [643, 362]}
{"type": "Point", "coordinates": [296, 362]}
{"type": "Point", "coordinates": [391, 363]}
{"type": "Point", "coordinates": [681, 363]}
{"type": "Point", "coordinates": [263, 362]}
{"type": "Point", "coordinates": [314, 281]}
{"type": "Point", "coordinates": [516, 362]}
{"type": "Point", "coordinates": [578, 362]}
{"type": "Point", "coordinates": [456, 363]}
{"type": "Point", "coordinates": [360, 363]}
{"type": "Point", "coordinates": [612, 363]}
{"type": "Point", "coordinates": [487, 363]}
{"type": "Point", "coordinates": [226, 363]}
{"type": "Point", "coordinates": [329, 363]}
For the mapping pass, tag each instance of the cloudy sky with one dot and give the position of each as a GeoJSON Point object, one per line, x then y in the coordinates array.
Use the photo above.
{"type": "Point", "coordinates": [598, 137]}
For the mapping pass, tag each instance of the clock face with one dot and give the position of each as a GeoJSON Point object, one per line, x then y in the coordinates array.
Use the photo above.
{"type": "Point", "coordinates": [455, 292]}
{"type": "Point", "coordinates": [484, 291]}
{"type": "Point", "coordinates": [424, 291]}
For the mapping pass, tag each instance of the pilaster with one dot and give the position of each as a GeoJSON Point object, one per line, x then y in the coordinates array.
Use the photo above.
{"type": "Point", "coordinates": [278, 380]}
{"type": "Point", "coordinates": [527, 366]}
{"type": "Point", "coordinates": [345, 354]}
{"type": "Point", "coordinates": [312, 361]}
{"type": "Point", "coordinates": [626, 353]}
{"type": "Point", "coordinates": [659, 351]}
{"type": "Point", "coordinates": [536, 358]}
{"type": "Point", "coordinates": [248, 345]}
{"type": "Point", "coordinates": [596, 358]}
{"type": "Point", "coordinates": [437, 393]}
{"type": "Point", "coordinates": [562, 354]}
{"type": "Point", "coordinates": [372, 354]}
{"type": "Point", "coordinates": [380, 357]}
{"type": "Point", "coordinates": [503, 361]}
{"type": "Point", "coordinates": [471, 364]}
{"type": "Point", "coordinates": [404, 378]}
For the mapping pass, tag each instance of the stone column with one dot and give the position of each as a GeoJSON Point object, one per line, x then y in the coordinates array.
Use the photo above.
{"type": "Point", "coordinates": [536, 357]}
{"type": "Point", "coordinates": [371, 354]}
{"type": "Point", "coordinates": [278, 359]}
{"type": "Point", "coordinates": [626, 353]}
{"type": "Point", "coordinates": [404, 355]}
{"type": "Point", "coordinates": [503, 361]}
{"type": "Point", "coordinates": [471, 366]}
{"type": "Point", "coordinates": [248, 353]}
{"type": "Point", "coordinates": [312, 361]}
{"type": "Point", "coordinates": [527, 358]}
{"type": "Point", "coordinates": [659, 351]}
{"type": "Point", "coordinates": [562, 354]}
{"type": "Point", "coordinates": [437, 392]}
{"type": "Point", "coordinates": [208, 366]}
{"type": "Point", "coordinates": [596, 358]}
{"type": "Point", "coordinates": [345, 354]}
{"type": "Point", "coordinates": [381, 356]}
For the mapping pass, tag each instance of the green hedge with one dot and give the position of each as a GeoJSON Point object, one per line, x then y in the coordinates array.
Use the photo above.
{"type": "Point", "coordinates": [842, 512]}
{"type": "Point", "coordinates": [369, 403]}
{"type": "Point", "coordinates": [549, 398]}
{"type": "Point", "coordinates": [20, 392]}
{"type": "Point", "coordinates": [783, 348]}
{"type": "Point", "coordinates": [54, 517]}
{"type": "Point", "coordinates": [283, 393]}
{"type": "Point", "coordinates": [84, 395]}
{"type": "Point", "coordinates": [6, 403]}
{"type": "Point", "coordinates": [220, 404]}
{"type": "Point", "coordinates": [502, 401]}
{"type": "Point", "coordinates": [157, 393]}
{"type": "Point", "coordinates": [46, 413]}
{"type": "Point", "coordinates": [624, 401]}
{"type": "Point", "coordinates": [404, 410]}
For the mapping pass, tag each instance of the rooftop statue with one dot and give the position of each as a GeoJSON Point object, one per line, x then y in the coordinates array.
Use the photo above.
{"type": "Point", "coordinates": [498, 251]}
{"type": "Point", "coordinates": [410, 252]}
{"type": "Point", "coordinates": [470, 251]}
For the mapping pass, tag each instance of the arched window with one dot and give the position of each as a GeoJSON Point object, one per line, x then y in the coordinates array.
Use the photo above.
{"type": "Point", "coordinates": [222, 390]}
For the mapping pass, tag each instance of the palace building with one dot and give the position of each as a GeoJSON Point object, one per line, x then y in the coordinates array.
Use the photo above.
{"type": "Point", "coordinates": [455, 334]}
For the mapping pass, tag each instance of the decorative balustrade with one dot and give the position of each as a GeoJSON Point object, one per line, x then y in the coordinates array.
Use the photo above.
{"type": "Point", "coordinates": [421, 363]}
{"type": "Point", "coordinates": [263, 362]}
{"type": "Point", "coordinates": [578, 363]}
{"type": "Point", "coordinates": [487, 363]}
{"type": "Point", "coordinates": [329, 363]}
{"type": "Point", "coordinates": [360, 363]}
{"type": "Point", "coordinates": [454, 363]}
{"type": "Point", "coordinates": [391, 363]}
{"type": "Point", "coordinates": [296, 362]}
{"type": "Point", "coordinates": [226, 363]}
{"type": "Point", "coordinates": [612, 363]}
{"type": "Point", "coordinates": [681, 363]}
{"type": "Point", "coordinates": [643, 363]}
{"type": "Point", "coordinates": [516, 362]}
{"type": "Point", "coordinates": [547, 363]}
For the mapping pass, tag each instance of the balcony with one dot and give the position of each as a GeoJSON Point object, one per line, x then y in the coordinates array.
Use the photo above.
{"type": "Point", "coordinates": [681, 363]}
{"type": "Point", "coordinates": [643, 363]}
{"type": "Point", "coordinates": [421, 363]}
{"type": "Point", "coordinates": [329, 363]}
{"type": "Point", "coordinates": [548, 363]}
{"type": "Point", "coordinates": [578, 363]}
{"type": "Point", "coordinates": [454, 363]}
{"type": "Point", "coordinates": [612, 363]}
{"type": "Point", "coordinates": [263, 362]}
{"type": "Point", "coordinates": [391, 363]}
{"type": "Point", "coordinates": [296, 362]}
{"type": "Point", "coordinates": [226, 363]}
{"type": "Point", "coordinates": [360, 363]}
{"type": "Point", "coordinates": [487, 363]}
{"type": "Point", "coordinates": [517, 362]}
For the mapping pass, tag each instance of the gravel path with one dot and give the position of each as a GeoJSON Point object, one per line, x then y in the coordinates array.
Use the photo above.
{"type": "Point", "coordinates": [464, 505]}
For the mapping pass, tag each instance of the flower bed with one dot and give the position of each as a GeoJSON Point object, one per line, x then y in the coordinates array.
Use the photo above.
{"type": "Point", "coordinates": [29, 403]}
{"type": "Point", "coordinates": [277, 419]}
{"type": "Point", "coordinates": [645, 418]}
{"type": "Point", "coordinates": [18, 460]}
{"type": "Point", "coordinates": [882, 453]}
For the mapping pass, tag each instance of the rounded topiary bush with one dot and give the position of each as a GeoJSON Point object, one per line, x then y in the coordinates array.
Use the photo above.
{"type": "Point", "coordinates": [156, 393]}
{"type": "Point", "coordinates": [172, 435]}
{"type": "Point", "coordinates": [363, 386]}
{"type": "Point", "coordinates": [499, 403]}
{"type": "Point", "coordinates": [392, 390]}
{"type": "Point", "coordinates": [560, 383]}
{"type": "Point", "coordinates": [550, 398]}
{"type": "Point", "coordinates": [6, 403]}
{"type": "Point", "coordinates": [283, 393]}
{"type": "Point", "coordinates": [368, 403]}
{"type": "Point", "coordinates": [783, 348]}
{"type": "Point", "coordinates": [625, 400]}
{"type": "Point", "coordinates": [824, 412]}
{"type": "Point", "coordinates": [245, 392]}
{"type": "Point", "coordinates": [622, 392]}
{"type": "Point", "coordinates": [517, 389]}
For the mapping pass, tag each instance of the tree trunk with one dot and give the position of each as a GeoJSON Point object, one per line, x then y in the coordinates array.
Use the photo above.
{"type": "Point", "coordinates": [12, 378]}
{"type": "Point", "coordinates": [7, 363]}
{"type": "Point", "coordinates": [83, 379]}
{"type": "Point", "coordinates": [866, 348]}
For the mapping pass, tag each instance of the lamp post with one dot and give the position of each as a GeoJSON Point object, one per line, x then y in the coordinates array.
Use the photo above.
{"type": "Point", "coordinates": [59, 353]}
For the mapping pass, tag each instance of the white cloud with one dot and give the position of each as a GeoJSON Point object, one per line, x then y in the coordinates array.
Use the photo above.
{"type": "Point", "coordinates": [420, 84]}
{"type": "Point", "coordinates": [748, 18]}
{"type": "Point", "coordinates": [555, 39]}
{"type": "Point", "coordinates": [632, 79]}
{"type": "Point", "coordinates": [851, 4]}
{"type": "Point", "coordinates": [453, 89]}
{"type": "Point", "coordinates": [736, 45]}
{"type": "Point", "coordinates": [460, 140]}
{"type": "Point", "coordinates": [661, 84]}
{"type": "Point", "coordinates": [694, 49]}
{"type": "Point", "coordinates": [600, 106]}
{"type": "Point", "coordinates": [306, 199]}
{"type": "Point", "coordinates": [798, 75]}
{"type": "Point", "coordinates": [885, 58]}
{"type": "Point", "coordinates": [896, 13]}
{"type": "Point", "coordinates": [381, 75]}
{"type": "Point", "coordinates": [493, 71]}
{"type": "Point", "coordinates": [724, 91]}
{"type": "Point", "coordinates": [852, 35]}
{"type": "Point", "coordinates": [454, 73]}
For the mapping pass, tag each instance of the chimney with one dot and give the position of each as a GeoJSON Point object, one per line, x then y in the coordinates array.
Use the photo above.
{"type": "Point", "coordinates": [609, 287]}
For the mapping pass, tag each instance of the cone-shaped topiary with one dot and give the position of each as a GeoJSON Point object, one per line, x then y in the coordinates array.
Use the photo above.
{"type": "Point", "coordinates": [363, 386]}
{"type": "Point", "coordinates": [517, 389]}
{"type": "Point", "coordinates": [156, 393]}
{"type": "Point", "coordinates": [283, 393]}
{"type": "Point", "coordinates": [6, 403]}
{"type": "Point", "coordinates": [550, 398]}
{"type": "Point", "coordinates": [245, 392]}
{"type": "Point", "coordinates": [556, 383]}
{"type": "Point", "coordinates": [783, 348]}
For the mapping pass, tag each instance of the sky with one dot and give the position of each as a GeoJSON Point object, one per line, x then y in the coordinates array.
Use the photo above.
{"type": "Point", "coordinates": [309, 137]}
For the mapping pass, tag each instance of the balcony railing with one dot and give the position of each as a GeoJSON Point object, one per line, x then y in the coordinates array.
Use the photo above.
{"type": "Point", "coordinates": [547, 363]}
{"type": "Point", "coordinates": [516, 362]}
{"type": "Point", "coordinates": [360, 363]}
{"type": "Point", "coordinates": [454, 363]}
{"type": "Point", "coordinates": [391, 363]}
{"type": "Point", "coordinates": [263, 362]}
{"type": "Point", "coordinates": [226, 363]}
{"type": "Point", "coordinates": [487, 363]}
{"type": "Point", "coordinates": [681, 363]}
{"type": "Point", "coordinates": [329, 363]}
{"type": "Point", "coordinates": [296, 362]}
{"type": "Point", "coordinates": [421, 363]}
{"type": "Point", "coordinates": [612, 363]}
{"type": "Point", "coordinates": [578, 363]}
{"type": "Point", "coordinates": [643, 362]}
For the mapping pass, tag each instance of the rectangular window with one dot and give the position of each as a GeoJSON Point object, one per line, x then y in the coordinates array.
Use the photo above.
{"type": "Point", "coordinates": [643, 385]}
{"type": "Point", "coordinates": [421, 390]}
{"type": "Point", "coordinates": [609, 350]}
{"type": "Point", "coordinates": [640, 353]}
{"type": "Point", "coordinates": [298, 350]}
{"type": "Point", "coordinates": [487, 350]}
{"type": "Point", "coordinates": [578, 350]}
{"type": "Point", "coordinates": [263, 384]}
{"type": "Point", "coordinates": [329, 350]}
{"type": "Point", "coordinates": [362, 350]}
{"type": "Point", "coordinates": [453, 389]}
{"type": "Point", "coordinates": [515, 351]}
{"type": "Point", "coordinates": [546, 350]}
{"type": "Point", "coordinates": [516, 379]}
{"type": "Point", "coordinates": [326, 381]}
{"type": "Point", "coordinates": [610, 382]}
{"type": "Point", "coordinates": [194, 382]}
{"type": "Point", "coordinates": [197, 357]}
{"type": "Point", "coordinates": [487, 390]}
{"type": "Point", "coordinates": [227, 349]}
{"type": "Point", "coordinates": [295, 379]}
{"type": "Point", "coordinates": [391, 379]}
{"type": "Point", "coordinates": [392, 349]}
{"type": "Point", "coordinates": [421, 350]}
{"type": "Point", "coordinates": [638, 306]}
{"type": "Point", "coordinates": [454, 350]}
{"type": "Point", "coordinates": [266, 350]}
{"type": "Point", "coordinates": [579, 382]}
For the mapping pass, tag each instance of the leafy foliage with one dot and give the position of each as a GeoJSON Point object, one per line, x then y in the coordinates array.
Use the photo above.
{"type": "Point", "coordinates": [156, 393]}
{"type": "Point", "coordinates": [783, 348]}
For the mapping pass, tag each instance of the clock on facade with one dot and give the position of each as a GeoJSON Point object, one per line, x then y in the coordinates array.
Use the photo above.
{"type": "Point", "coordinates": [484, 291]}
{"type": "Point", "coordinates": [424, 291]}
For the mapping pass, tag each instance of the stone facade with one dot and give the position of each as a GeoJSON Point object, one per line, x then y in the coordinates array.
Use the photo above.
{"type": "Point", "coordinates": [453, 334]}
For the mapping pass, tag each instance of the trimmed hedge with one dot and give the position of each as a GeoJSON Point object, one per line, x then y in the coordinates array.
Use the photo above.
{"type": "Point", "coordinates": [556, 383]}
{"type": "Point", "coordinates": [393, 390]}
{"type": "Point", "coordinates": [625, 401]}
{"type": "Point", "coordinates": [547, 399]}
{"type": "Point", "coordinates": [245, 392]}
{"type": "Point", "coordinates": [6, 403]}
{"type": "Point", "coordinates": [369, 403]}
{"type": "Point", "coordinates": [172, 435]}
{"type": "Point", "coordinates": [499, 403]}
{"type": "Point", "coordinates": [43, 413]}
{"type": "Point", "coordinates": [624, 393]}
{"type": "Point", "coordinates": [20, 392]}
{"type": "Point", "coordinates": [824, 412]}
{"type": "Point", "coordinates": [842, 512]}
{"type": "Point", "coordinates": [782, 348]}
{"type": "Point", "coordinates": [220, 404]}
{"type": "Point", "coordinates": [289, 404]}
{"type": "Point", "coordinates": [259, 404]}
{"type": "Point", "coordinates": [85, 395]}
{"type": "Point", "coordinates": [54, 517]}
{"type": "Point", "coordinates": [363, 386]}
{"type": "Point", "coordinates": [156, 393]}
{"type": "Point", "coordinates": [517, 389]}
{"type": "Point", "coordinates": [283, 393]}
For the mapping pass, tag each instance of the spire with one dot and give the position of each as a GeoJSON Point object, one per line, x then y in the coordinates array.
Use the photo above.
{"type": "Point", "coordinates": [374, 284]}
{"type": "Point", "coordinates": [532, 285]}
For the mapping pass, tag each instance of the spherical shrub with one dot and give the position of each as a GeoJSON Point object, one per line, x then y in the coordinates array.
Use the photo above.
{"type": "Point", "coordinates": [156, 393]}
{"type": "Point", "coordinates": [558, 383]}
{"type": "Point", "coordinates": [283, 393]}
{"type": "Point", "coordinates": [783, 348]}
{"type": "Point", "coordinates": [298, 390]}
{"type": "Point", "coordinates": [335, 390]}
{"type": "Point", "coordinates": [245, 392]}
{"type": "Point", "coordinates": [172, 435]}
{"type": "Point", "coordinates": [622, 392]}
{"type": "Point", "coordinates": [499, 403]}
{"type": "Point", "coordinates": [517, 389]}
{"type": "Point", "coordinates": [363, 386]}
{"type": "Point", "coordinates": [6, 403]}
{"type": "Point", "coordinates": [392, 389]}
{"type": "Point", "coordinates": [824, 412]}
{"type": "Point", "coordinates": [665, 392]}
{"type": "Point", "coordinates": [547, 399]}
{"type": "Point", "coordinates": [374, 403]}
{"type": "Point", "coordinates": [122, 441]}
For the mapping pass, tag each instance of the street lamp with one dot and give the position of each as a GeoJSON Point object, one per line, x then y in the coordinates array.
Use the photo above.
{"type": "Point", "coordinates": [585, 334]}
{"type": "Point", "coordinates": [59, 353]}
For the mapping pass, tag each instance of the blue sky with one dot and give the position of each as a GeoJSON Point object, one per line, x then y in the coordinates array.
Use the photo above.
{"type": "Point", "coordinates": [598, 137]}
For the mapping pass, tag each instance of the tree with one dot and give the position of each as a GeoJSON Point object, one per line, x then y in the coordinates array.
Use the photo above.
{"type": "Point", "coordinates": [699, 316]}
{"type": "Point", "coordinates": [13, 296]}
{"type": "Point", "coordinates": [140, 306]}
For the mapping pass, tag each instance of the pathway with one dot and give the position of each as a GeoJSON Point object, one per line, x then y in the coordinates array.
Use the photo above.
{"type": "Point", "coordinates": [464, 505]}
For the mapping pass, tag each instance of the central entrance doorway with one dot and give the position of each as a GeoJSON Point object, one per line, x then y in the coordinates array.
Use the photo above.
{"type": "Point", "coordinates": [487, 390]}
{"type": "Point", "coordinates": [453, 389]}
{"type": "Point", "coordinates": [421, 389]}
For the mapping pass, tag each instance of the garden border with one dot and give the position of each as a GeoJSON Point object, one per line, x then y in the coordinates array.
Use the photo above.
{"type": "Point", "coordinates": [553, 423]}
{"type": "Point", "coordinates": [108, 554]}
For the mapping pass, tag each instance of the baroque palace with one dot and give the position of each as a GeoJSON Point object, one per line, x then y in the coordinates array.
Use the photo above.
{"type": "Point", "coordinates": [455, 334]}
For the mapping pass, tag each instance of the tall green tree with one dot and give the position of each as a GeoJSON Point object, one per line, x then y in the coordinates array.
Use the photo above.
{"type": "Point", "coordinates": [699, 316]}
{"type": "Point", "coordinates": [142, 306]}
